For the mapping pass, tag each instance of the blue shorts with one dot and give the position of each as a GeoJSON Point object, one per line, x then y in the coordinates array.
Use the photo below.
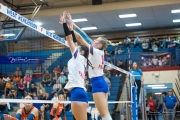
{"type": "Point", "coordinates": [99, 85]}
{"type": "Point", "coordinates": [78, 94]}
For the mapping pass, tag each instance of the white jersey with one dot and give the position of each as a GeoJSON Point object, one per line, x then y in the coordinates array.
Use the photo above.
{"type": "Point", "coordinates": [76, 67]}
{"type": "Point", "coordinates": [96, 57]}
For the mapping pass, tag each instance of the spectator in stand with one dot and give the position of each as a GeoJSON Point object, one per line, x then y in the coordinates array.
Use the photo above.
{"type": "Point", "coordinates": [4, 106]}
{"type": "Point", "coordinates": [145, 46]}
{"type": "Point", "coordinates": [118, 50]}
{"type": "Point", "coordinates": [156, 41]}
{"type": "Point", "coordinates": [127, 42]}
{"type": "Point", "coordinates": [155, 61]}
{"type": "Point", "coordinates": [55, 97]}
{"type": "Point", "coordinates": [6, 78]}
{"type": "Point", "coordinates": [114, 61]}
{"type": "Point", "coordinates": [55, 77]}
{"type": "Point", "coordinates": [27, 79]}
{"type": "Point", "coordinates": [107, 73]}
{"type": "Point", "coordinates": [154, 47]}
{"type": "Point", "coordinates": [57, 70]}
{"type": "Point", "coordinates": [88, 85]}
{"type": "Point", "coordinates": [151, 104]}
{"type": "Point", "coordinates": [46, 78]}
{"type": "Point", "coordinates": [8, 87]}
{"type": "Point", "coordinates": [107, 56]}
{"type": "Point", "coordinates": [21, 87]}
{"type": "Point", "coordinates": [170, 104]}
{"type": "Point", "coordinates": [136, 42]}
{"type": "Point", "coordinates": [172, 49]}
{"type": "Point", "coordinates": [157, 105]}
{"type": "Point", "coordinates": [41, 91]}
{"type": "Point", "coordinates": [57, 87]}
{"type": "Point", "coordinates": [12, 92]}
{"type": "Point", "coordinates": [65, 90]}
{"type": "Point", "coordinates": [65, 70]}
{"type": "Point", "coordinates": [160, 62]}
{"type": "Point", "coordinates": [164, 61]}
{"type": "Point", "coordinates": [150, 63]}
{"type": "Point", "coordinates": [164, 114]}
{"type": "Point", "coordinates": [38, 69]}
{"type": "Point", "coordinates": [18, 72]}
{"type": "Point", "coordinates": [42, 114]}
{"type": "Point", "coordinates": [120, 64]}
{"type": "Point", "coordinates": [163, 44]}
{"type": "Point", "coordinates": [62, 78]}
{"type": "Point", "coordinates": [33, 89]}
{"type": "Point", "coordinates": [37, 105]}
{"type": "Point", "coordinates": [47, 105]}
{"type": "Point", "coordinates": [2, 86]}
{"type": "Point", "coordinates": [29, 71]}
{"type": "Point", "coordinates": [16, 78]}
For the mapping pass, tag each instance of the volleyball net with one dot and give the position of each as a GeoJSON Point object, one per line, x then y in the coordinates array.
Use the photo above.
{"type": "Point", "coordinates": [130, 93]}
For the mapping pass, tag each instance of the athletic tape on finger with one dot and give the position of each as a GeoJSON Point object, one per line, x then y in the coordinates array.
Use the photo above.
{"type": "Point", "coordinates": [29, 23]}
{"type": "Point", "coordinates": [49, 101]}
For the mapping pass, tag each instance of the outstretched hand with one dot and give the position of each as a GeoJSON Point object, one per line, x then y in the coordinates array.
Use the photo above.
{"type": "Point", "coordinates": [9, 116]}
{"type": "Point", "coordinates": [69, 21]}
{"type": "Point", "coordinates": [63, 18]}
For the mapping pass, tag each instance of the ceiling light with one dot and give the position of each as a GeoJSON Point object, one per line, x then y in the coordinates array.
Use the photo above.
{"type": "Point", "coordinates": [89, 28]}
{"type": "Point", "coordinates": [158, 87]}
{"type": "Point", "coordinates": [157, 93]}
{"type": "Point", "coordinates": [155, 85]}
{"type": "Point", "coordinates": [97, 35]}
{"type": "Point", "coordinates": [133, 24]}
{"type": "Point", "coordinates": [175, 11]}
{"type": "Point", "coordinates": [80, 20]}
{"type": "Point", "coordinates": [178, 20]}
{"type": "Point", "coordinates": [127, 15]}
{"type": "Point", "coordinates": [8, 35]}
{"type": "Point", "coordinates": [38, 23]}
{"type": "Point", "coordinates": [52, 31]}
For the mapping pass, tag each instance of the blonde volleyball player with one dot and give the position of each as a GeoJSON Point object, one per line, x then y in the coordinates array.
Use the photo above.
{"type": "Point", "coordinates": [28, 112]}
{"type": "Point", "coordinates": [99, 85]}
{"type": "Point", "coordinates": [76, 67]}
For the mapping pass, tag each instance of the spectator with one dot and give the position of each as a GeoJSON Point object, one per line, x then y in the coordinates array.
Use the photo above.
{"type": "Point", "coordinates": [55, 97]}
{"type": "Point", "coordinates": [29, 71]}
{"type": "Point", "coordinates": [37, 105]}
{"type": "Point", "coordinates": [145, 46]}
{"type": "Point", "coordinates": [4, 106]}
{"type": "Point", "coordinates": [160, 62]}
{"type": "Point", "coordinates": [65, 90]}
{"type": "Point", "coordinates": [18, 72]}
{"type": "Point", "coordinates": [118, 50]}
{"type": "Point", "coordinates": [156, 41]}
{"type": "Point", "coordinates": [57, 87]}
{"type": "Point", "coordinates": [46, 78]}
{"type": "Point", "coordinates": [38, 69]}
{"type": "Point", "coordinates": [170, 104]}
{"type": "Point", "coordinates": [62, 78]}
{"type": "Point", "coordinates": [55, 77]}
{"type": "Point", "coordinates": [2, 86]}
{"type": "Point", "coordinates": [41, 91]}
{"type": "Point", "coordinates": [21, 88]}
{"type": "Point", "coordinates": [157, 105]}
{"type": "Point", "coordinates": [150, 63]}
{"type": "Point", "coordinates": [172, 49]}
{"type": "Point", "coordinates": [164, 114]}
{"type": "Point", "coordinates": [120, 64]}
{"type": "Point", "coordinates": [27, 79]}
{"type": "Point", "coordinates": [88, 85]}
{"type": "Point", "coordinates": [33, 89]}
{"type": "Point", "coordinates": [127, 42]}
{"type": "Point", "coordinates": [154, 47]}
{"type": "Point", "coordinates": [136, 42]}
{"type": "Point", "coordinates": [164, 61]}
{"type": "Point", "coordinates": [6, 78]}
{"type": "Point", "coordinates": [107, 73]}
{"type": "Point", "coordinates": [12, 92]}
{"type": "Point", "coordinates": [151, 104]}
{"type": "Point", "coordinates": [107, 56]}
{"type": "Point", "coordinates": [42, 114]}
{"type": "Point", "coordinates": [155, 61]}
{"type": "Point", "coordinates": [8, 87]}
{"type": "Point", "coordinates": [114, 61]}
{"type": "Point", "coordinates": [57, 70]}
{"type": "Point", "coordinates": [163, 44]}
{"type": "Point", "coordinates": [16, 78]}
{"type": "Point", "coordinates": [47, 105]}
{"type": "Point", "coordinates": [65, 70]}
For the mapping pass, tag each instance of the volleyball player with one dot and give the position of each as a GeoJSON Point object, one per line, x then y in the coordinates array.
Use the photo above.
{"type": "Point", "coordinates": [76, 67]}
{"type": "Point", "coordinates": [28, 112]}
{"type": "Point", "coordinates": [57, 109]}
{"type": "Point", "coordinates": [99, 85]}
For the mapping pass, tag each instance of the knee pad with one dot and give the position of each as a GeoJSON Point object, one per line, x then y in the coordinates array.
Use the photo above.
{"type": "Point", "coordinates": [107, 117]}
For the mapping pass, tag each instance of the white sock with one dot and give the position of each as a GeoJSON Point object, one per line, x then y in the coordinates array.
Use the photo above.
{"type": "Point", "coordinates": [107, 117]}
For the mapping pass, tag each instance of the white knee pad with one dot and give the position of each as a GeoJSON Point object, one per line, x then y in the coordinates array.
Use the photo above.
{"type": "Point", "coordinates": [107, 117]}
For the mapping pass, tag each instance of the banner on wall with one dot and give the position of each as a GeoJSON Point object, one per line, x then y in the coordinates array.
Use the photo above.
{"type": "Point", "coordinates": [148, 60]}
{"type": "Point", "coordinates": [19, 60]}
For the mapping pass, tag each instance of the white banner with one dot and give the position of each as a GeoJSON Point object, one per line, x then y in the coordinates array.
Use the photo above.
{"type": "Point", "coordinates": [29, 23]}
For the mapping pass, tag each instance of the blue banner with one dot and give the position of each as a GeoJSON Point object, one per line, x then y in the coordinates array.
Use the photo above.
{"type": "Point", "coordinates": [20, 60]}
